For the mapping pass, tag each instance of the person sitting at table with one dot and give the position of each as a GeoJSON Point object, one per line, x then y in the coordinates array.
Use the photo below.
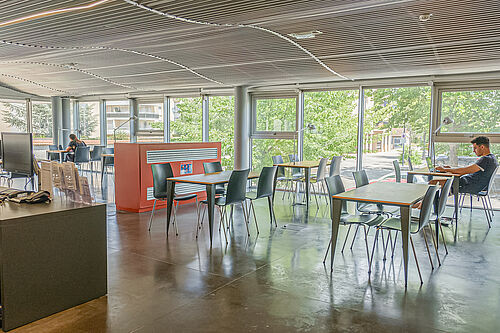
{"type": "Point", "coordinates": [73, 144]}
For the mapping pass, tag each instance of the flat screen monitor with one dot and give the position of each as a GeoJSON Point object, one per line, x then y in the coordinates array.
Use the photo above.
{"type": "Point", "coordinates": [17, 153]}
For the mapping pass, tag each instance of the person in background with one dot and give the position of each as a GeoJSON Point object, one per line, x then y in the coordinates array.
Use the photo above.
{"type": "Point", "coordinates": [74, 143]}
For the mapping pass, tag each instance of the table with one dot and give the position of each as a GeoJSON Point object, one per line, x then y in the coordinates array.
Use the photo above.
{"type": "Point", "coordinates": [307, 166]}
{"type": "Point", "coordinates": [60, 152]}
{"type": "Point", "coordinates": [456, 178]}
{"type": "Point", "coordinates": [53, 257]}
{"type": "Point", "coordinates": [210, 180]}
{"type": "Point", "coordinates": [403, 195]}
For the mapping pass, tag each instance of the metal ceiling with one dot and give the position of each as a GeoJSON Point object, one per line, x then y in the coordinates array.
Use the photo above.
{"type": "Point", "coordinates": [125, 46]}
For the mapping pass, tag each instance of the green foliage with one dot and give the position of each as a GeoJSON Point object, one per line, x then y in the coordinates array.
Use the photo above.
{"type": "Point", "coordinates": [14, 115]}
{"type": "Point", "coordinates": [157, 124]}
{"type": "Point", "coordinates": [89, 120]}
{"type": "Point", "coordinates": [221, 124]}
{"type": "Point", "coordinates": [276, 114]}
{"type": "Point", "coordinates": [186, 120]}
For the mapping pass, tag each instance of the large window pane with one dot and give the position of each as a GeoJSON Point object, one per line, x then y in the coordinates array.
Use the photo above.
{"type": "Point", "coordinates": [396, 126]}
{"type": "Point", "coordinates": [335, 115]}
{"type": "Point", "coordinates": [476, 111]}
{"type": "Point", "coordinates": [264, 149]}
{"type": "Point", "coordinates": [42, 128]}
{"type": "Point", "coordinates": [117, 115]}
{"type": "Point", "coordinates": [221, 125]}
{"type": "Point", "coordinates": [150, 122]}
{"type": "Point", "coordinates": [89, 123]}
{"type": "Point", "coordinates": [276, 114]}
{"type": "Point", "coordinates": [12, 116]}
{"type": "Point", "coordinates": [185, 119]}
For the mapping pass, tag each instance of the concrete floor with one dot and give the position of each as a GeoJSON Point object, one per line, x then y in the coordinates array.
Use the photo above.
{"type": "Point", "coordinates": [276, 281]}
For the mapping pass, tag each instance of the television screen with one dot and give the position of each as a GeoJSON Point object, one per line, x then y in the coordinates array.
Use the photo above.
{"type": "Point", "coordinates": [17, 153]}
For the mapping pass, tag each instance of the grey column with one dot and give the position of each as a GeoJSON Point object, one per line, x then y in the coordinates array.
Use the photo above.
{"type": "Point", "coordinates": [300, 126]}
{"type": "Point", "coordinates": [205, 118]}
{"type": "Point", "coordinates": [29, 116]}
{"type": "Point", "coordinates": [241, 128]}
{"type": "Point", "coordinates": [66, 121]}
{"type": "Point", "coordinates": [361, 117]}
{"type": "Point", "coordinates": [134, 122]}
{"type": "Point", "coordinates": [103, 123]}
{"type": "Point", "coordinates": [166, 119]}
{"type": "Point", "coordinates": [76, 118]}
{"type": "Point", "coordinates": [56, 119]}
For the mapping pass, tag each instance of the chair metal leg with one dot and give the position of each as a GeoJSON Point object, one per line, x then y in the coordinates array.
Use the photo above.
{"type": "Point", "coordinates": [442, 236]}
{"type": "Point", "coordinates": [491, 207]}
{"type": "Point", "coordinates": [346, 236]}
{"type": "Point", "coordinates": [254, 217]}
{"type": "Point", "coordinates": [370, 259]}
{"type": "Point", "coordinates": [367, 230]}
{"type": "Point", "coordinates": [175, 217]}
{"type": "Point", "coordinates": [389, 239]}
{"type": "Point", "coordinates": [246, 220]}
{"type": "Point", "coordinates": [428, 251]}
{"type": "Point", "coordinates": [416, 260]}
{"type": "Point", "coordinates": [197, 216]}
{"type": "Point", "coordinates": [394, 246]}
{"type": "Point", "coordinates": [152, 213]}
{"type": "Point", "coordinates": [486, 213]}
{"type": "Point", "coordinates": [434, 241]}
{"type": "Point", "coordinates": [354, 238]}
{"type": "Point", "coordinates": [221, 224]}
{"type": "Point", "coordinates": [273, 215]}
{"type": "Point", "coordinates": [327, 249]}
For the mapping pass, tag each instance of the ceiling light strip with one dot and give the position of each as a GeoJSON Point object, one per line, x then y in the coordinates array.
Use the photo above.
{"type": "Point", "coordinates": [36, 83]}
{"type": "Point", "coordinates": [52, 12]}
{"type": "Point", "coordinates": [112, 49]}
{"type": "Point", "coordinates": [73, 68]}
{"type": "Point", "coordinates": [155, 11]}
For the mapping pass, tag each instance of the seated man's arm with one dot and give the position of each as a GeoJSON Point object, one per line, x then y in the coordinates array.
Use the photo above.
{"type": "Point", "coordinates": [461, 171]}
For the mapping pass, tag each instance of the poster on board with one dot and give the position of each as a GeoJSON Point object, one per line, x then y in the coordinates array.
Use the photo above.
{"type": "Point", "coordinates": [186, 168]}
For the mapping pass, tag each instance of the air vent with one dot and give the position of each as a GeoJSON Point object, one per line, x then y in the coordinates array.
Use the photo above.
{"type": "Point", "coordinates": [177, 155]}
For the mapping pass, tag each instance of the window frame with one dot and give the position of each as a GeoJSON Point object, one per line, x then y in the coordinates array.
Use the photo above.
{"type": "Point", "coordinates": [255, 134]}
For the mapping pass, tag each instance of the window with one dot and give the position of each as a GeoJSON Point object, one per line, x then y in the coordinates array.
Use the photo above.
{"type": "Point", "coordinates": [221, 126]}
{"type": "Point", "coordinates": [89, 123]}
{"type": "Point", "coordinates": [12, 116]}
{"type": "Point", "coordinates": [335, 116]}
{"type": "Point", "coordinates": [472, 111]}
{"type": "Point", "coordinates": [396, 126]}
{"type": "Point", "coordinates": [150, 122]}
{"type": "Point", "coordinates": [263, 151]}
{"type": "Point", "coordinates": [275, 114]}
{"type": "Point", "coordinates": [117, 115]}
{"type": "Point", "coordinates": [185, 119]}
{"type": "Point", "coordinates": [42, 128]}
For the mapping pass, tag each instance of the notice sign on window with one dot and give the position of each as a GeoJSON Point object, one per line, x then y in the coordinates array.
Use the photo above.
{"type": "Point", "coordinates": [186, 168]}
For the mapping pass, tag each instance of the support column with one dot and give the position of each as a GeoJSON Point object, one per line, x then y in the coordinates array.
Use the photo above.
{"type": "Point", "coordinates": [66, 121]}
{"type": "Point", "coordinates": [29, 116]}
{"type": "Point", "coordinates": [56, 119]}
{"type": "Point", "coordinates": [361, 116]}
{"type": "Point", "coordinates": [76, 118]}
{"type": "Point", "coordinates": [103, 123]}
{"type": "Point", "coordinates": [205, 119]}
{"type": "Point", "coordinates": [241, 128]}
{"type": "Point", "coordinates": [166, 119]}
{"type": "Point", "coordinates": [134, 122]}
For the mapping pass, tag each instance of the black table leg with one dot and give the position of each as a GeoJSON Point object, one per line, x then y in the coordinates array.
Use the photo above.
{"type": "Point", "coordinates": [210, 188]}
{"type": "Point", "coordinates": [306, 174]}
{"type": "Point", "coordinates": [170, 201]}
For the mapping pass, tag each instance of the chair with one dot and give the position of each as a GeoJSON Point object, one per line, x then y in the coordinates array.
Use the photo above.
{"type": "Point", "coordinates": [281, 175]}
{"type": "Point", "coordinates": [53, 156]}
{"type": "Point", "coordinates": [236, 193]}
{"type": "Point", "coordinates": [443, 197]}
{"type": "Point", "coordinates": [319, 178]}
{"type": "Point", "coordinates": [416, 225]}
{"type": "Point", "coordinates": [212, 167]}
{"type": "Point", "coordinates": [107, 160]}
{"type": "Point", "coordinates": [335, 165]}
{"type": "Point", "coordinates": [95, 156]}
{"type": "Point", "coordinates": [484, 196]}
{"type": "Point", "coordinates": [334, 185]}
{"type": "Point", "coordinates": [361, 179]}
{"type": "Point", "coordinates": [410, 164]}
{"type": "Point", "coordinates": [265, 189]}
{"type": "Point", "coordinates": [160, 174]}
{"type": "Point", "coordinates": [82, 155]}
{"type": "Point", "coordinates": [397, 170]}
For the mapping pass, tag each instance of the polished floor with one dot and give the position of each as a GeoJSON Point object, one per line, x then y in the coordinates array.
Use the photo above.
{"type": "Point", "coordinates": [276, 281]}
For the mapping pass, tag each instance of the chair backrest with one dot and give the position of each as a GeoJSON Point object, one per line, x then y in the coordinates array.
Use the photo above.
{"type": "Point", "coordinates": [492, 179]}
{"type": "Point", "coordinates": [82, 154]}
{"type": "Point", "coordinates": [397, 170]}
{"type": "Point", "coordinates": [211, 167]}
{"type": "Point", "coordinates": [321, 173]}
{"type": "Point", "coordinates": [107, 159]}
{"type": "Point", "coordinates": [426, 207]}
{"type": "Point", "coordinates": [95, 154]}
{"type": "Point", "coordinates": [335, 165]}
{"type": "Point", "coordinates": [445, 191]}
{"type": "Point", "coordinates": [360, 178]}
{"type": "Point", "coordinates": [237, 186]}
{"type": "Point", "coordinates": [160, 174]}
{"type": "Point", "coordinates": [294, 158]}
{"type": "Point", "coordinates": [60, 147]}
{"type": "Point", "coordinates": [278, 159]}
{"type": "Point", "coordinates": [52, 147]}
{"type": "Point", "coordinates": [334, 186]}
{"type": "Point", "coordinates": [265, 184]}
{"type": "Point", "coordinates": [410, 164]}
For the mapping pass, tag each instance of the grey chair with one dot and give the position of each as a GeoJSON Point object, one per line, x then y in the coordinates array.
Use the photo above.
{"type": "Point", "coordinates": [281, 175]}
{"type": "Point", "coordinates": [319, 179]}
{"type": "Point", "coordinates": [416, 225]}
{"type": "Point", "coordinates": [160, 174]}
{"type": "Point", "coordinates": [53, 156]}
{"type": "Point", "coordinates": [265, 189]}
{"type": "Point", "coordinates": [212, 167]}
{"type": "Point", "coordinates": [334, 185]}
{"type": "Point", "coordinates": [397, 171]}
{"type": "Point", "coordinates": [361, 179]}
{"type": "Point", "coordinates": [95, 156]}
{"type": "Point", "coordinates": [335, 165]}
{"type": "Point", "coordinates": [236, 193]}
{"type": "Point", "coordinates": [443, 197]}
{"type": "Point", "coordinates": [82, 155]}
{"type": "Point", "coordinates": [107, 161]}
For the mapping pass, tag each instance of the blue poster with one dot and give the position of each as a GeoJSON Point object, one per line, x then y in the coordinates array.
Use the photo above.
{"type": "Point", "coordinates": [186, 168]}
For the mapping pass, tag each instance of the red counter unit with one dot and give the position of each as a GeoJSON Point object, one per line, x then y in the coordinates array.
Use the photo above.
{"type": "Point", "coordinates": [134, 179]}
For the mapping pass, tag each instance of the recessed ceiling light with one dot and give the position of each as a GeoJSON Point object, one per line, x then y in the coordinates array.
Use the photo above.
{"type": "Point", "coordinates": [425, 17]}
{"type": "Point", "coordinates": [305, 35]}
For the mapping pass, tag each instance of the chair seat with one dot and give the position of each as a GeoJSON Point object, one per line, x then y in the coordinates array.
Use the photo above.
{"type": "Point", "coordinates": [394, 223]}
{"type": "Point", "coordinates": [253, 196]}
{"type": "Point", "coordinates": [185, 197]}
{"type": "Point", "coordinates": [376, 208]}
{"type": "Point", "coordinates": [220, 201]}
{"type": "Point", "coordinates": [369, 220]}
{"type": "Point", "coordinates": [220, 191]}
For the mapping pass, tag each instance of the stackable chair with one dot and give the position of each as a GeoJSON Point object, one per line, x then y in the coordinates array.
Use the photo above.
{"type": "Point", "coordinates": [443, 197]}
{"type": "Point", "coordinates": [82, 155]}
{"type": "Point", "coordinates": [95, 156]}
{"type": "Point", "coordinates": [212, 167]}
{"type": "Point", "coordinates": [397, 171]}
{"type": "Point", "coordinates": [107, 161]}
{"type": "Point", "coordinates": [319, 179]}
{"type": "Point", "coordinates": [361, 179]}
{"type": "Point", "coordinates": [281, 176]}
{"type": "Point", "coordinates": [335, 165]}
{"type": "Point", "coordinates": [160, 174]}
{"type": "Point", "coordinates": [265, 188]}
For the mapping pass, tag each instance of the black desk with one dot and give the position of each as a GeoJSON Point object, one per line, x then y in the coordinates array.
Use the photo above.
{"type": "Point", "coordinates": [52, 257]}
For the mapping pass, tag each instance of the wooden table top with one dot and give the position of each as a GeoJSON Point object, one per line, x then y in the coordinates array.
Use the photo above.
{"type": "Point", "coordinates": [301, 164]}
{"type": "Point", "coordinates": [426, 172]}
{"type": "Point", "coordinates": [108, 155]}
{"type": "Point", "coordinates": [399, 194]}
{"type": "Point", "coordinates": [56, 151]}
{"type": "Point", "coordinates": [210, 178]}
